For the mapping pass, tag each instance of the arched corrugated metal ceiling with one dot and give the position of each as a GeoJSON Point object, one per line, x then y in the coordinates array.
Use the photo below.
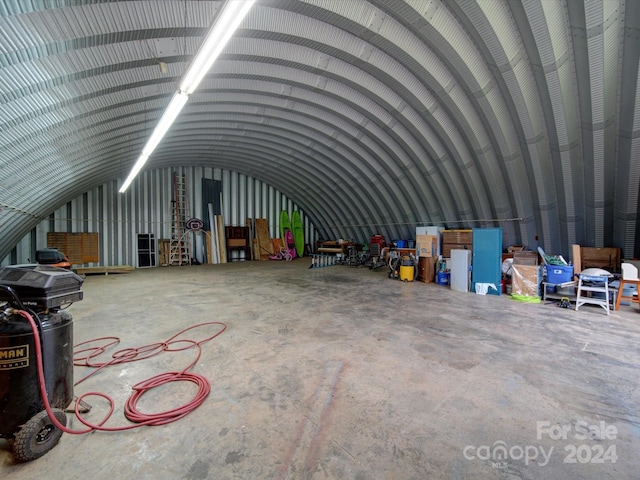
{"type": "Point", "coordinates": [391, 113]}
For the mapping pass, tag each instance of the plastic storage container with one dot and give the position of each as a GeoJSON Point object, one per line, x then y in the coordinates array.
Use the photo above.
{"type": "Point", "coordinates": [559, 273]}
{"type": "Point", "coordinates": [442, 278]}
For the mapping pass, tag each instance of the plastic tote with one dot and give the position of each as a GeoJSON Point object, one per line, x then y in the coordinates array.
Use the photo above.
{"type": "Point", "coordinates": [559, 273]}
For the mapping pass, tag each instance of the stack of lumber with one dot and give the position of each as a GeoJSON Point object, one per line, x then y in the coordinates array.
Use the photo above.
{"type": "Point", "coordinates": [262, 244]}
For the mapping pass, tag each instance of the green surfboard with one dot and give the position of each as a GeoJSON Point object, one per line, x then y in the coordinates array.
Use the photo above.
{"type": "Point", "coordinates": [285, 225]}
{"type": "Point", "coordinates": [298, 232]}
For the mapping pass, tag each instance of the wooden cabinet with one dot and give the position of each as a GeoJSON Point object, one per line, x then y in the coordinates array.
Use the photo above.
{"type": "Point", "coordinates": [426, 269]}
{"type": "Point", "coordinates": [237, 239]}
{"type": "Point", "coordinates": [457, 236]}
{"type": "Point", "coordinates": [456, 239]}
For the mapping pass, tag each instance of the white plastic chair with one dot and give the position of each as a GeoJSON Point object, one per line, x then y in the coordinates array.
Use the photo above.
{"type": "Point", "coordinates": [629, 271]}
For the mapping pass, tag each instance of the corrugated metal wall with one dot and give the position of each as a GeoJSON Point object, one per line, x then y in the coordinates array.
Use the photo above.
{"type": "Point", "coordinates": [146, 208]}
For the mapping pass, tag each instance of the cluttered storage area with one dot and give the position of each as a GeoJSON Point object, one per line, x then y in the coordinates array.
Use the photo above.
{"type": "Point", "coordinates": [475, 260]}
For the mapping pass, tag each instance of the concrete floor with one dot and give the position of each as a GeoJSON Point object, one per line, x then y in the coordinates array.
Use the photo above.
{"type": "Point", "coordinates": [342, 373]}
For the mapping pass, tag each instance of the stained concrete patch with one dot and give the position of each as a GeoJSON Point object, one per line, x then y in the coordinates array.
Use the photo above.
{"type": "Point", "coordinates": [234, 457]}
{"type": "Point", "coordinates": [198, 471]}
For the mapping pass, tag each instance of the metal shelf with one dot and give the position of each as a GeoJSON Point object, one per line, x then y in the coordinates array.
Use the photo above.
{"type": "Point", "coordinates": [546, 295]}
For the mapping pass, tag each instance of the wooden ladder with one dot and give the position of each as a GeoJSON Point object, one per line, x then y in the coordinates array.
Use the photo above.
{"type": "Point", "coordinates": [180, 247]}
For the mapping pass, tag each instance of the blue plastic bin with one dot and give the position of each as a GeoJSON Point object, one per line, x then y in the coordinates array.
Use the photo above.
{"type": "Point", "coordinates": [559, 273]}
{"type": "Point", "coordinates": [442, 278]}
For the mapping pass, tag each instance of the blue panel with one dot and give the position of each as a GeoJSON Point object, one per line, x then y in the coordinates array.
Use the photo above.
{"type": "Point", "coordinates": [486, 264]}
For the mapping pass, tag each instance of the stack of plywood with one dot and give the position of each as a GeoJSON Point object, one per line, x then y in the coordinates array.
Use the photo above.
{"type": "Point", "coordinates": [264, 245]}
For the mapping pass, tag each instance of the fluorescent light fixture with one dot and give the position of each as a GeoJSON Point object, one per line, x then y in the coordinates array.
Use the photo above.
{"type": "Point", "coordinates": [227, 22]}
{"type": "Point", "coordinates": [177, 102]}
{"type": "Point", "coordinates": [134, 172]}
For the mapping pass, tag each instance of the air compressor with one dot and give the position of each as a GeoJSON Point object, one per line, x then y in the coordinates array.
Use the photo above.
{"type": "Point", "coordinates": [41, 291]}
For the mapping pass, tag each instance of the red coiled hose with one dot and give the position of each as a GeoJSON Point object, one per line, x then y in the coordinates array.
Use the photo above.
{"type": "Point", "coordinates": [129, 355]}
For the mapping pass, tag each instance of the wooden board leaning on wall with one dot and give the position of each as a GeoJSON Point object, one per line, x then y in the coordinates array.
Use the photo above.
{"type": "Point", "coordinates": [80, 248]}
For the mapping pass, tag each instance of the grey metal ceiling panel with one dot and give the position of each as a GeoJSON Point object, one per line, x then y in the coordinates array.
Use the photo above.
{"type": "Point", "coordinates": [460, 112]}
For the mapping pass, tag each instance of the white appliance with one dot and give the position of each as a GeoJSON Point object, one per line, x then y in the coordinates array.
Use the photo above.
{"type": "Point", "coordinates": [460, 269]}
{"type": "Point", "coordinates": [432, 230]}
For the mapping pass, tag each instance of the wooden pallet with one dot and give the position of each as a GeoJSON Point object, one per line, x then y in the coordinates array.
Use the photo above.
{"type": "Point", "coordinates": [103, 270]}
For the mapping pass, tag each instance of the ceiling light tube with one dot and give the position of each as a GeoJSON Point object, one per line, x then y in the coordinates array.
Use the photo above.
{"type": "Point", "coordinates": [134, 171]}
{"type": "Point", "coordinates": [227, 23]}
{"type": "Point", "coordinates": [168, 117]}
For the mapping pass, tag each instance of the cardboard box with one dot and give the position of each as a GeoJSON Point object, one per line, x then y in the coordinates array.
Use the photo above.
{"type": "Point", "coordinates": [526, 279]}
{"type": "Point", "coordinates": [426, 245]}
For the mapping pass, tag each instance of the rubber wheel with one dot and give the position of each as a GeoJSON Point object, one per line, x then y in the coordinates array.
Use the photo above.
{"type": "Point", "coordinates": [38, 436]}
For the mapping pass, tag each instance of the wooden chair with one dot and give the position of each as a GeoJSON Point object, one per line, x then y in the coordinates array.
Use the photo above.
{"type": "Point", "coordinates": [629, 276]}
